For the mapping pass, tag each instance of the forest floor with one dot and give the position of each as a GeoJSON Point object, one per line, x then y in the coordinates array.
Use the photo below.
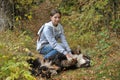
{"type": "Point", "coordinates": [103, 66]}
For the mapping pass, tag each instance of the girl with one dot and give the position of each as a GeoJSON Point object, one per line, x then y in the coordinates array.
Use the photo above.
{"type": "Point", "coordinates": [48, 43]}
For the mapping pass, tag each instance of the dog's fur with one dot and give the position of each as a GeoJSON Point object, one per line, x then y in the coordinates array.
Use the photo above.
{"type": "Point", "coordinates": [57, 63]}
{"type": "Point", "coordinates": [35, 65]}
{"type": "Point", "coordinates": [61, 61]}
{"type": "Point", "coordinates": [42, 68]}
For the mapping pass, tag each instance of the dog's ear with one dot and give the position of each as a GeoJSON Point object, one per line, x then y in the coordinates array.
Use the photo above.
{"type": "Point", "coordinates": [78, 51]}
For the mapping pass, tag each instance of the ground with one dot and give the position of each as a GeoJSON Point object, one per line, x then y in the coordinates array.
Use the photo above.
{"type": "Point", "coordinates": [103, 67]}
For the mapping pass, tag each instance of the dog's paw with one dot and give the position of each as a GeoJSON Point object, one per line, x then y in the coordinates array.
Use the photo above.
{"type": "Point", "coordinates": [53, 72]}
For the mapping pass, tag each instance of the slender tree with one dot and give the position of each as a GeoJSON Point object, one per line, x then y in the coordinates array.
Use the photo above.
{"type": "Point", "coordinates": [6, 14]}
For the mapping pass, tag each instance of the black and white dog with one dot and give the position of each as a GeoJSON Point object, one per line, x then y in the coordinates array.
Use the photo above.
{"type": "Point", "coordinates": [57, 63]}
{"type": "Point", "coordinates": [78, 61]}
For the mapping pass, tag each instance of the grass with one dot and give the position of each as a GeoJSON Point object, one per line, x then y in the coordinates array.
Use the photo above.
{"type": "Point", "coordinates": [104, 64]}
{"type": "Point", "coordinates": [14, 46]}
{"type": "Point", "coordinates": [102, 70]}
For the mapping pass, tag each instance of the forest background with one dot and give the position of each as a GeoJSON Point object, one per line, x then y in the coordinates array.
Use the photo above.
{"type": "Point", "coordinates": [92, 24]}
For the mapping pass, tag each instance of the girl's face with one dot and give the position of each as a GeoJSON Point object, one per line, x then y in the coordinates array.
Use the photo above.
{"type": "Point", "coordinates": [55, 19]}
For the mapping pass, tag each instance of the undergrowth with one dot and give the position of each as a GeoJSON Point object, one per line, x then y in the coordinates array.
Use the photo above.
{"type": "Point", "coordinates": [14, 49]}
{"type": "Point", "coordinates": [14, 46]}
{"type": "Point", "coordinates": [81, 28]}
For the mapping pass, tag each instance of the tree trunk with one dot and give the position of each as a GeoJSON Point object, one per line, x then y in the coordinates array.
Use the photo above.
{"type": "Point", "coordinates": [6, 14]}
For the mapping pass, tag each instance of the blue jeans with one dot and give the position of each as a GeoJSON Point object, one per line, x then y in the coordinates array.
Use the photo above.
{"type": "Point", "coordinates": [48, 51]}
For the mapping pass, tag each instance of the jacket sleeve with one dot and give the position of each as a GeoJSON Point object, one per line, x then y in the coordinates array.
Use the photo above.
{"type": "Point", "coordinates": [64, 41]}
{"type": "Point", "coordinates": [48, 32]}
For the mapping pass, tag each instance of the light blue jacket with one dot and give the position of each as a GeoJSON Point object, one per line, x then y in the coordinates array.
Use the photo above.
{"type": "Point", "coordinates": [52, 35]}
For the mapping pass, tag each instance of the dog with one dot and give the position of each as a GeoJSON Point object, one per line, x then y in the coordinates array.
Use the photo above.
{"type": "Point", "coordinates": [57, 63]}
{"type": "Point", "coordinates": [82, 60]}
{"type": "Point", "coordinates": [78, 61]}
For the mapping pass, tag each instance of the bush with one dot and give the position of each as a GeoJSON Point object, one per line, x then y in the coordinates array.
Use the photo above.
{"type": "Point", "coordinates": [13, 54]}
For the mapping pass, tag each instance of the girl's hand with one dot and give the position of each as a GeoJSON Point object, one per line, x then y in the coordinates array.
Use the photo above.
{"type": "Point", "coordinates": [69, 56]}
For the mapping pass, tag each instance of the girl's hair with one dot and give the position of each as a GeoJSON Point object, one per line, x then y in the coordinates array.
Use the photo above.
{"type": "Point", "coordinates": [54, 11]}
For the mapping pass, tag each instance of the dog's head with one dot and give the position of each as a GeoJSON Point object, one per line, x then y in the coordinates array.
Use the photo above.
{"type": "Point", "coordinates": [34, 63]}
{"type": "Point", "coordinates": [82, 60]}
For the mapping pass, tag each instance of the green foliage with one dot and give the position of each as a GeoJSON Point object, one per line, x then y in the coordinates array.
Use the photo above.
{"type": "Point", "coordinates": [14, 47]}
{"type": "Point", "coordinates": [67, 6]}
{"type": "Point", "coordinates": [89, 20]}
{"type": "Point", "coordinates": [22, 8]}
{"type": "Point", "coordinates": [15, 70]}
{"type": "Point", "coordinates": [14, 67]}
{"type": "Point", "coordinates": [116, 26]}
{"type": "Point", "coordinates": [103, 42]}
{"type": "Point", "coordinates": [89, 24]}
